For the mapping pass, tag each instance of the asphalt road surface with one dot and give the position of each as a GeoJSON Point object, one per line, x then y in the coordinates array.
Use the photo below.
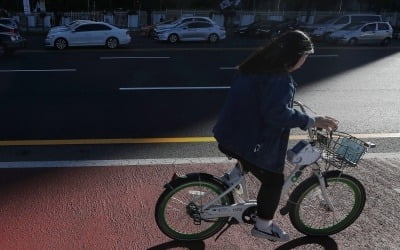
{"type": "Point", "coordinates": [97, 97]}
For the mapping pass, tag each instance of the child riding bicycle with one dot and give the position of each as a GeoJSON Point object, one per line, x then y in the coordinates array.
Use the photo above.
{"type": "Point", "coordinates": [255, 122]}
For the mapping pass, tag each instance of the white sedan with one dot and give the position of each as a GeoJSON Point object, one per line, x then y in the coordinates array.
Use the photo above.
{"type": "Point", "coordinates": [88, 34]}
{"type": "Point", "coordinates": [192, 31]}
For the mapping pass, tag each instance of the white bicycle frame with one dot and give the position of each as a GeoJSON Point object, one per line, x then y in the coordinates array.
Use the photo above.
{"type": "Point", "coordinates": [211, 211]}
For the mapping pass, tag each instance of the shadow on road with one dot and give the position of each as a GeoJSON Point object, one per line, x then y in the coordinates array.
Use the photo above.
{"type": "Point", "coordinates": [193, 245]}
{"type": "Point", "coordinates": [326, 242]}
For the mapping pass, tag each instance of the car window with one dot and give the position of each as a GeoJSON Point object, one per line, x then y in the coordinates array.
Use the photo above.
{"type": "Point", "coordinates": [100, 27]}
{"type": "Point", "coordinates": [364, 19]}
{"type": "Point", "coordinates": [204, 25]}
{"type": "Point", "coordinates": [343, 20]}
{"type": "Point", "coordinates": [187, 20]}
{"type": "Point", "coordinates": [193, 25]}
{"type": "Point", "coordinates": [352, 26]}
{"type": "Point", "coordinates": [383, 26]}
{"type": "Point", "coordinates": [201, 19]}
{"type": "Point", "coordinates": [82, 28]}
{"type": "Point", "coordinates": [369, 27]}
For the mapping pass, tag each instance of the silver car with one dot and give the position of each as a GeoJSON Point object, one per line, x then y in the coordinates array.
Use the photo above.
{"type": "Point", "coordinates": [192, 31]}
{"type": "Point", "coordinates": [368, 33]}
{"type": "Point", "coordinates": [88, 34]}
{"type": "Point", "coordinates": [183, 20]}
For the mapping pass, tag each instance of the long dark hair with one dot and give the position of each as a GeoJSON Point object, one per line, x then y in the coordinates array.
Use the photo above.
{"type": "Point", "coordinates": [280, 55]}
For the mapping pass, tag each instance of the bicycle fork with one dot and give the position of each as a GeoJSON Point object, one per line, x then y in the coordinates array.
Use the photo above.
{"type": "Point", "coordinates": [323, 185]}
{"type": "Point", "coordinates": [294, 176]}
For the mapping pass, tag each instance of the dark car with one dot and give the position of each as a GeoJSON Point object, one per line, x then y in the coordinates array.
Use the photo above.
{"type": "Point", "coordinates": [8, 29]}
{"type": "Point", "coordinates": [9, 22]}
{"type": "Point", "coordinates": [9, 42]}
{"type": "Point", "coordinates": [267, 29]}
{"type": "Point", "coordinates": [251, 29]}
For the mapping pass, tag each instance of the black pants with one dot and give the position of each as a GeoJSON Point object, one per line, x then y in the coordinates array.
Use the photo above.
{"type": "Point", "coordinates": [270, 191]}
{"type": "Point", "coordinates": [271, 187]}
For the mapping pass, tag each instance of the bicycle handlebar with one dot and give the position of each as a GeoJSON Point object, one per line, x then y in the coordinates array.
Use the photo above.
{"type": "Point", "coordinates": [316, 134]}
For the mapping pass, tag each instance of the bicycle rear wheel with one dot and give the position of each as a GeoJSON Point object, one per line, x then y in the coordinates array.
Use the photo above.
{"type": "Point", "coordinates": [310, 214]}
{"type": "Point", "coordinates": [178, 208]}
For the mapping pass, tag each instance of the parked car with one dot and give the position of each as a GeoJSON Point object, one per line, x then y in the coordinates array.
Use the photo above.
{"type": "Point", "coordinates": [369, 33]}
{"type": "Point", "coordinates": [8, 29]}
{"type": "Point", "coordinates": [69, 25]}
{"type": "Point", "coordinates": [148, 30]}
{"type": "Point", "coordinates": [320, 31]}
{"type": "Point", "coordinates": [252, 28]}
{"type": "Point", "coordinates": [10, 42]}
{"type": "Point", "coordinates": [88, 34]}
{"type": "Point", "coordinates": [9, 22]}
{"type": "Point", "coordinates": [267, 28]}
{"type": "Point", "coordinates": [192, 31]}
{"type": "Point", "coordinates": [182, 20]}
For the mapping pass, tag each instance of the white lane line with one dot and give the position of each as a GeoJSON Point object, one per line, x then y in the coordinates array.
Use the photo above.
{"type": "Point", "coordinates": [145, 162]}
{"type": "Point", "coordinates": [314, 56]}
{"type": "Point", "coordinates": [38, 70]}
{"type": "Point", "coordinates": [174, 88]}
{"type": "Point", "coordinates": [133, 57]}
{"type": "Point", "coordinates": [397, 190]}
{"type": "Point", "coordinates": [124, 162]}
{"type": "Point", "coordinates": [227, 68]}
{"type": "Point", "coordinates": [322, 56]}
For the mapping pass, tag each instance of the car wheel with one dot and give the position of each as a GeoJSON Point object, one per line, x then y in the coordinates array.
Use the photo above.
{"type": "Point", "coordinates": [173, 38]}
{"type": "Point", "coordinates": [385, 42]}
{"type": "Point", "coordinates": [112, 43]}
{"type": "Point", "coordinates": [60, 44]}
{"type": "Point", "coordinates": [213, 38]}
{"type": "Point", "coordinates": [353, 41]}
{"type": "Point", "coordinates": [2, 50]}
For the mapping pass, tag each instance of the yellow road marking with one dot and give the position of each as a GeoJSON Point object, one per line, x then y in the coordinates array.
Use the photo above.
{"type": "Point", "coordinates": [153, 140]}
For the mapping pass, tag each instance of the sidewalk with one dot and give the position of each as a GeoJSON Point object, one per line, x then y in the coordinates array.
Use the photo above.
{"type": "Point", "coordinates": [113, 207]}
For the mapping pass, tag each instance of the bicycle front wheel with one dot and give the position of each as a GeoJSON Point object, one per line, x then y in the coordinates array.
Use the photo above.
{"type": "Point", "coordinates": [178, 210]}
{"type": "Point", "coordinates": [310, 213]}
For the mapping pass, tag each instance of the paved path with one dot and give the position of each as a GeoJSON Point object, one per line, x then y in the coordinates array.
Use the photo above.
{"type": "Point", "coordinates": [112, 208]}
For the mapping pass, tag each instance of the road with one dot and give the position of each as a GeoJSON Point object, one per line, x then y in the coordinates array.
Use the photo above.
{"type": "Point", "coordinates": [155, 90]}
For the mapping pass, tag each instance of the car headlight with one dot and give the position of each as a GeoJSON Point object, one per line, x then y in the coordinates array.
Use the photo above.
{"type": "Point", "coordinates": [13, 38]}
{"type": "Point", "coordinates": [50, 36]}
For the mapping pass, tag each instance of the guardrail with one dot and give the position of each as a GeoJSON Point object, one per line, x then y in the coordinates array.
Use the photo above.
{"type": "Point", "coordinates": [135, 20]}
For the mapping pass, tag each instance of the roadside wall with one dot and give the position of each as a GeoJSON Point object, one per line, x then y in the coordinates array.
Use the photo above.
{"type": "Point", "coordinates": [139, 18]}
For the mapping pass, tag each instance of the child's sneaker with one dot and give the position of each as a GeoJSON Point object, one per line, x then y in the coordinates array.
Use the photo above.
{"type": "Point", "coordinates": [273, 233]}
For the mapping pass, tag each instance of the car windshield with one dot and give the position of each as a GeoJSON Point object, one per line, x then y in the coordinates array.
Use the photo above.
{"type": "Point", "coordinates": [352, 26]}
{"type": "Point", "coordinates": [167, 21]}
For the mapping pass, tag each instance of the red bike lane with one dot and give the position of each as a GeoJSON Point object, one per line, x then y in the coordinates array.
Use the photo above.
{"type": "Point", "coordinates": [113, 208]}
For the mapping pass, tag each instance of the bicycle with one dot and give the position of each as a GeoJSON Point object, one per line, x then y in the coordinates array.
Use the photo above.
{"type": "Point", "coordinates": [197, 206]}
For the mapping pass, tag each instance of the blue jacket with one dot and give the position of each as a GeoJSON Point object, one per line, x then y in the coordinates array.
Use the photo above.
{"type": "Point", "coordinates": [256, 119]}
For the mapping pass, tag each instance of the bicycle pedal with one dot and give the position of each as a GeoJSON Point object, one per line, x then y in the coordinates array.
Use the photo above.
{"type": "Point", "coordinates": [239, 189]}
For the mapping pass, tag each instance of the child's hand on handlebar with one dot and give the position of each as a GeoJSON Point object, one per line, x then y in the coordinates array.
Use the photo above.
{"type": "Point", "coordinates": [326, 122]}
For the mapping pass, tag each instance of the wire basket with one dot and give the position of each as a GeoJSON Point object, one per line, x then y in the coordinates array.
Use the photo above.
{"type": "Point", "coordinates": [341, 149]}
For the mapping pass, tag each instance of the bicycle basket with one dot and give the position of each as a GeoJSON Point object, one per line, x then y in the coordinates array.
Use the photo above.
{"type": "Point", "coordinates": [341, 149]}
